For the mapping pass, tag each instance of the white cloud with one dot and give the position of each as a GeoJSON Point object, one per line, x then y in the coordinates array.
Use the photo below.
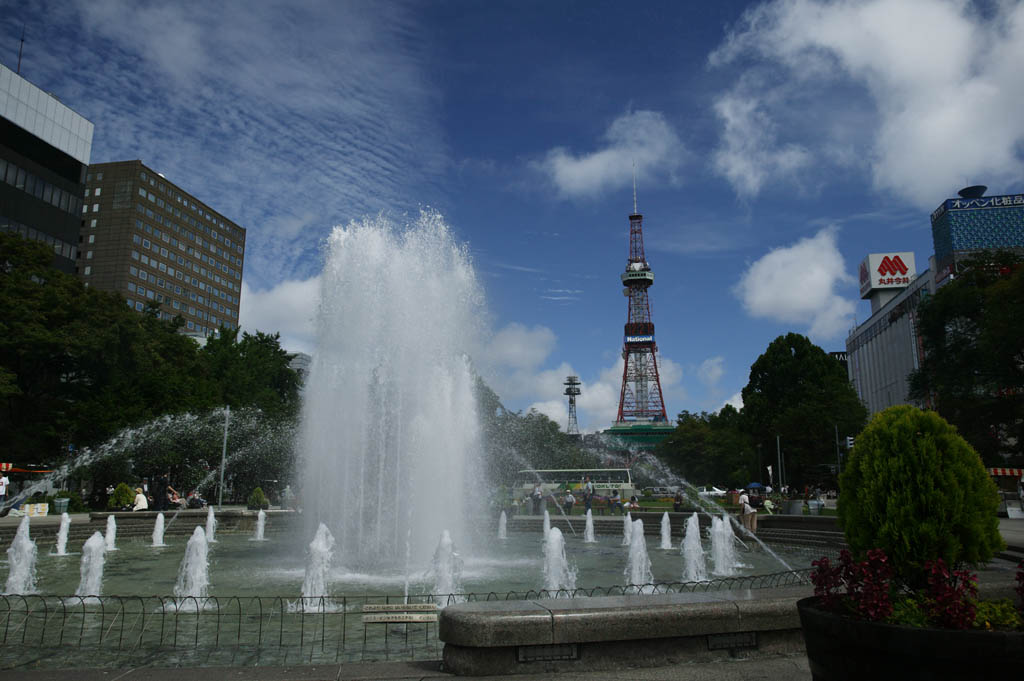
{"type": "Point", "coordinates": [939, 81]}
{"type": "Point", "coordinates": [262, 110]}
{"type": "Point", "coordinates": [519, 347]}
{"type": "Point", "coordinates": [711, 371]}
{"type": "Point", "coordinates": [796, 284]}
{"type": "Point", "coordinates": [749, 153]}
{"type": "Point", "coordinates": [736, 401]}
{"type": "Point", "coordinates": [643, 136]}
{"type": "Point", "coordinates": [288, 308]}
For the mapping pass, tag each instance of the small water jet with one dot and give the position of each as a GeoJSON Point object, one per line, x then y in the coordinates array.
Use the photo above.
{"type": "Point", "coordinates": [588, 530]}
{"type": "Point", "coordinates": [318, 563]}
{"type": "Point", "coordinates": [111, 536]}
{"type": "Point", "coordinates": [502, 526]}
{"type": "Point", "coordinates": [91, 570]}
{"type": "Point", "coordinates": [447, 570]}
{"type": "Point", "coordinates": [558, 574]}
{"type": "Point", "coordinates": [158, 530]}
{"type": "Point", "coordinates": [627, 527]}
{"type": "Point", "coordinates": [638, 566]}
{"type": "Point", "coordinates": [547, 524]}
{"type": "Point", "coordinates": [211, 527]}
{"type": "Point", "coordinates": [666, 532]}
{"type": "Point", "coordinates": [21, 556]}
{"type": "Point", "coordinates": [723, 547]}
{"type": "Point", "coordinates": [62, 534]}
{"type": "Point", "coordinates": [261, 525]}
{"type": "Point", "coordinates": [194, 572]}
{"type": "Point", "coordinates": [694, 567]}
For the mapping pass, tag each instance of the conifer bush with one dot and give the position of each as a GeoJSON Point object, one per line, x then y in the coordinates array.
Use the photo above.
{"type": "Point", "coordinates": [258, 500]}
{"type": "Point", "coordinates": [916, 489]}
{"type": "Point", "coordinates": [123, 496]}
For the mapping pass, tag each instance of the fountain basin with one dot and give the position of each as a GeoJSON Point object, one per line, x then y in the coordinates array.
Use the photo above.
{"type": "Point", "coordinates": [618, 632]}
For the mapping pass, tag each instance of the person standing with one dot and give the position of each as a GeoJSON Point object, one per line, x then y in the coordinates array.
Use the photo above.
{"type": "Point", "coordinates": [677, 503]}
{"type": "Point", "coordinates": [567, 502]}
{"type": "Point", "coordinates": [537, 496]}
{"type": "Point", "coordinates": [747, 512]}
{"type": "Point", "coordinates": [4, 484]}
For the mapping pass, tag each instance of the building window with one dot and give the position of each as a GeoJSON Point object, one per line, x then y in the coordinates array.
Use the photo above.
{"type": "Point", "coordinates": [92, 223]}
{"type": "Point", "coordinates": [92, 238]}
{"type": "Point", "coordinates": [139, 306]}
{"type": "Point", "coordinates": [95, 208]}
{"type": "Point", "coordinates": [88, 270]}
{"type": "Point", "coordinates": [88, 255]}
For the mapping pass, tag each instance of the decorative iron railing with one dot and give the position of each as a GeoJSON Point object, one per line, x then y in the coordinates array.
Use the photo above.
{"type": "Point", "coordinates": [215, 630]}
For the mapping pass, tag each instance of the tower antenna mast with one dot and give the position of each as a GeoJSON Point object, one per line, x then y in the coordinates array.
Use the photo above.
{"type": "Point", "coordinates": [634, 187]}
{"type": "Point", "coordinates": [572, 390]}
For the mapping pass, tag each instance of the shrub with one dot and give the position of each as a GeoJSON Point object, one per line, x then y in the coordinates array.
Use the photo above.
{"type": "Point", "coordinates": [915, 489]}
{"type": "Point", "coordinates": [75, 503]}
{"type": "Point", "coordinates": [123, 496]}
{"type": "Point", "coordinates": [258, 499]}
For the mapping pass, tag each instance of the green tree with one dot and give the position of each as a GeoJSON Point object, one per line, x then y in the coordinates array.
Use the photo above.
{"type": "Point", "coordinates": [251, 371]}
{"type": "Point", "coordinates": [802, 395]}
{"type": "Point", "coordinates": [710, 448]}
{"type": "Point", "coordinates": [972, 331]}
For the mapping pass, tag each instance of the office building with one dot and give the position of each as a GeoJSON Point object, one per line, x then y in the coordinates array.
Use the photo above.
{"type": "Point", "coordinates": [44, 153]}
{"type": "Point", "coordinates": [151, 241]}
{"type": "Point", "coordinates": [885, 349]}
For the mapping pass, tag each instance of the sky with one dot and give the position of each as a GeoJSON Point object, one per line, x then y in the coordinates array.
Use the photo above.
{"type": "Point", "coordinates": [775, 143]}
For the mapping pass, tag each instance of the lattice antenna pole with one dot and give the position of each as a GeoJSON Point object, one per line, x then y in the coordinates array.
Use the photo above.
{"type": "Point", "coordinates": [572, 389]}
{"type": "Point", "coordinates": [640, 399]}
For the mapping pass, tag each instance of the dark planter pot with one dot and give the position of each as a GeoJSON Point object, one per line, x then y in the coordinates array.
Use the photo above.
{"type": "Point", "coordinates": [841, 647]}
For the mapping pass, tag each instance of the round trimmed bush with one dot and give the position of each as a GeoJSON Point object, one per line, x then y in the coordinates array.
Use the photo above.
{"type": "Point", "coordinates": [258, 500]}
{"type": "Point", "coordinates": [916, 489]}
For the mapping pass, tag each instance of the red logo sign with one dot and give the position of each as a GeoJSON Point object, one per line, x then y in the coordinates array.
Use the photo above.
{"type": "Point", "coordinates": [893, 265]}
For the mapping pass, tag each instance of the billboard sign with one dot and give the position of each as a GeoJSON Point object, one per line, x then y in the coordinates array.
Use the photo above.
{"type": "Point", "coordinates": [886, 271]}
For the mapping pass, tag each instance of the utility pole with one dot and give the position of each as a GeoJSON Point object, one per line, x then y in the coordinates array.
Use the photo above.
{"type": "Point", "coordinates": [778, 451]}
{"type": "Point", "coordinates": [839, 463]}
{"type": "Point", "coordinates": [223, 457]}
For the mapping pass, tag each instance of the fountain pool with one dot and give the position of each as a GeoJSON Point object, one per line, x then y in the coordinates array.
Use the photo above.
{"type": "Point", "coordinates": [239, 567]}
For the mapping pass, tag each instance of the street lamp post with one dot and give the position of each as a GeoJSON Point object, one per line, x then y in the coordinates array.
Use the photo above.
{"type": "Point", "coordinates": [223, 457]}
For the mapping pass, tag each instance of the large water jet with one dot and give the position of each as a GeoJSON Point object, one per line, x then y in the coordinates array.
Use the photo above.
{"type": "Point", "coordinates": [558, 574]}
{"type": "Point", "coordinates": [694, 568]}
{"type": "Point", "coordinates": [62, 534]}
{"type": "Point", "coordinates": [318, 564]}
{"type": "Point", "coordinates": [389, 422]}
{"type": "Point", "coordinates": [21, 557]}
{"type": "Point", "coordinates": [194, 572]}
{"type": "Point", "coordinates": [447, 569]}
{"type": "Point", "coordinates": [111, 536]}
{"type": "Point", "coordinates": [588, 530]}
{"type": "Point", "coordinates": [158, 530]}
{"type": "Point", "coordinates": [91, 569]}
{"type": "Point", "coordinates": [638, 566]}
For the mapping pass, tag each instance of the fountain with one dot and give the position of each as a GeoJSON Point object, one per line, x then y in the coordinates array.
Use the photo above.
{"type": "Point", "coordinates": [211, 527]}
{"type": "Point", "coordinates": [194, 572]}
{"type": "Point", "coordinates": [318, 563]}
{"type": "Point", "coordinates": [723, 547]}
{"type": "Point", "coordinates": [389, 415]}
{"type": "Point", "coordinates": [547, 523]}
{"type": "Point", "coordinates": [627, 527]}
{"type": "Point", "coordinates": [666, 532]}
{"type": "Point", "coordinates": [588, 530]}
{"type": "Point", "coordinates": [694, 569]}
{"type": "Point", "coordinates": [62, 534]}
{"type": "Point", "coordinates": [638, 566]}
{"type": "Point", "coordinates": [502, 526]}
{"type": "Point", "coordinates": [447, 570]}
{"type": "Point", "coordinates": [21, 556]}
{"type": "Point", "coordinates": [558, 575]}
{"type": "Point", "coordinates": [111, 537]}
{"type": "Point", "coordinates": [91, 569]}
{"type": "Point", "coordinates": [158, 530]}
{"type": "Point", "coordinates": [261, 525]}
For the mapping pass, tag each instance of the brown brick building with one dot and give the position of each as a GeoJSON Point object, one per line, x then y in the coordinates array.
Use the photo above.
{"type": "Point", "coordinates": [149, 240]}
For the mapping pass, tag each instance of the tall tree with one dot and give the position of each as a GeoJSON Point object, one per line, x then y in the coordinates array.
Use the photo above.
{"type": "Point", "coordinates": [801, 395]}
{"type": "Point", "coordinates": [972, 331]}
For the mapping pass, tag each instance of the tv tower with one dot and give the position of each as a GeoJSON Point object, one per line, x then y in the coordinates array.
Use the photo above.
{"type": "Point", "coordinates": [640, 400]}
{"type": "Point", "coordinates": [572, 389]}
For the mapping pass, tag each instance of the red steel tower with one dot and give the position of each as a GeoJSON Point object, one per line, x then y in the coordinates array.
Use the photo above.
{"type": "Point", "coordinates": [640, 399]}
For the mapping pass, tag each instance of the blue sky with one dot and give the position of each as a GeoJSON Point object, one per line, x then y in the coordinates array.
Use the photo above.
{"type": "Point", "coordinates": [776, 144]}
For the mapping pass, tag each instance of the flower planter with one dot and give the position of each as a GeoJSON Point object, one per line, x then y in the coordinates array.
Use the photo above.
{"type": "Point", "coordinates": [840, 647]}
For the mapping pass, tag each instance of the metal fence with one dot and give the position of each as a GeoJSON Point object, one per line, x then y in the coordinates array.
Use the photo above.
{"type": "Point", "coordinates": [52, 631]}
